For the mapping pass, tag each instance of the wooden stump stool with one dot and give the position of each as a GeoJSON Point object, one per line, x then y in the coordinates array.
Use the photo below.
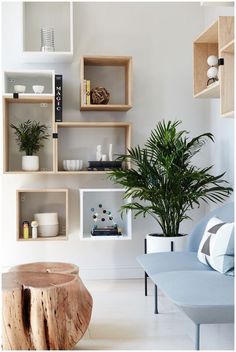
{"type": "Point", "coordinates": [44, 310]}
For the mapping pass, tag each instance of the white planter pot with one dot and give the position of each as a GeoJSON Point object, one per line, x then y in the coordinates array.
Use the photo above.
{"type": "Point", "coordinates": [159, 243]}
{"type": "Point", "coordinates": [30, 163]}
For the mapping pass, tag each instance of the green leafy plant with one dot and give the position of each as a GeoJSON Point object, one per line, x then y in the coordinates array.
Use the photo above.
{"type": "Point", "coordinates": [163, 182]}
{"type": "Point", "coordinates": [30, 136]}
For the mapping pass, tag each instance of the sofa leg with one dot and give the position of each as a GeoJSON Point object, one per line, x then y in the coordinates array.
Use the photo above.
{"type": "Point", "coordinates": [156, 301]}
{"type": "Point", "coordinates": [145, 282]}
{"type": "Point", "coordinates": [197, 337]}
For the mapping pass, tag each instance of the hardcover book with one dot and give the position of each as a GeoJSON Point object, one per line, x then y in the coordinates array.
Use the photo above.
{"type": "Point", "coordinates": [58, 98]}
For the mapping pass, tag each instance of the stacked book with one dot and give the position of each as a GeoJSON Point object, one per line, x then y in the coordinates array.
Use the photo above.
{"type": "Point", "coordinates": [86, 92]}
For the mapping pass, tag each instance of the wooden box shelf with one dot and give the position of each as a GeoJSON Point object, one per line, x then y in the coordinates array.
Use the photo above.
{"type": "Point", "coordinates": [112, 72]}
{"type": "Point", "coordinates": [94, 201]}
{"type": "Point", "coordinates": [216, 40]}
{"type": "Point", "coordinates": [38, 108]}
{"type": "Point", "coordinates": [56, 15]}
{"type": "Point", "coordinates": [78, 140]}
{"type": "Point", "coordinates": [31, 201]}
{"type": "Point", "coordinates": [29, 78]}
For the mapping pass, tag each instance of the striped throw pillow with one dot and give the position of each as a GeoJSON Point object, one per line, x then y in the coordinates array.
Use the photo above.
{"type": "Point", "coordinates": [216, 248]}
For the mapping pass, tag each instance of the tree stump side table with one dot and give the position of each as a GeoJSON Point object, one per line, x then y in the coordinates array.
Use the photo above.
{"type": "Point", "coordinates": [44, 310]}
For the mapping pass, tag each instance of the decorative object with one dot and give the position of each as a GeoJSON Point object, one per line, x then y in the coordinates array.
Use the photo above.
{"type": "Point", "coordinates": [104, 216]}
{"type": "Point", "coordinates": [212, 72]}
{"type": "Point", "coordinates": [99, 95]}
{"type": "Point", "coordinates": [72, 165]}
{"type": "Point", "coordinates": [110, 152]}
{"type": "Point", "coordinates": [34, 225]}
{"type": "Point", "coordinates": [25, 226]}
{"type": "Point", "coordinates": [58, 98]}
{"type": "Point", "coordinates": [38, 89]}
{"type": "Point", "coordinates": [19, 88]}
{"type": "Point", "coordinates": [48, 225]}
{"type": "Point", "coordinates": [163, 181]}
{"type": "Point", "coordinates": [47, 39]}
{"type": "Point", "coordinates": [45, 307]}
{"type": "Point", "coordinates": [104, 157]}
{"type": "Point", "coordinates": [29, 137]}
{"type": "Point", "coordinates": [216, 248]}
{"type": "Point", "coordinates": [99, 152]}
{"type": "Point", "coordinates": [104, 165]}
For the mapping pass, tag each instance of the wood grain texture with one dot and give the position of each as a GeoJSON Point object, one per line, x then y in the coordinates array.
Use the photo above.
{"type": "Point", "coordinates": [226, 30]}
{"type": "Point", "coordinates": [44, 311]}
{"type": "Point", "coordinates": [48, 267]}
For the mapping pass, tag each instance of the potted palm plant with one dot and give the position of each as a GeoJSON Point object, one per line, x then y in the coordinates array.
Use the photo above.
{"type": "Point", "coordinates": [164, 182]}
{"type": "Point", "coordinates": [29, 137]}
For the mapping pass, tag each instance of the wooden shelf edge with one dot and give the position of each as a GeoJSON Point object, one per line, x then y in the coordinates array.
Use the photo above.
{"type": "Point", "coordinates": [56, 238]}
{"type": "Point", "coordinates": [105, 238]}
{"type": "Point", "coordinates": [213, 91]}
{"type": "Point", "coordinates": [29, 172]}
{"type": "Point", "coordinates": [228, 48]}
{"type": "Point", "coordinates": [227, 114]}
{"type": "Point", "coordinates": [108, 107]}
{"type": "Point", "coordinates": [203, 37]}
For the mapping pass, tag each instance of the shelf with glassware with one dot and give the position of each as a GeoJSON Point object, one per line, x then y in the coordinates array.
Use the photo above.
{"type": "Point", "coordinates": [214, 78]}
{"type": "Point", "coordinates": [47, 31]}
{"type": "Point", "coordinates": [79, 143]}
{"type": "Point", "coordinates": [106, 83]}
{"type": "Point", "coordinates": [42, 214]}
{"type": "Point", "coordinates": [100, 217]}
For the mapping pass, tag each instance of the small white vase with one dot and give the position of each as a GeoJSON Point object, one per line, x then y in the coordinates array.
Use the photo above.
{"type": "Point", "coordinates": [30, 163]}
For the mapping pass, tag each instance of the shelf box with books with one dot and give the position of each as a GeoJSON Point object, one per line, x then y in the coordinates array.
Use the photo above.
{"type": "Point", "coordinates": [100, 217]}
{"type": "Point", "coordinates": [78, 141]}
{"type": "Point", "coordinates": [31, 80]}
{"type": "Point", "coordinates": [56, 17]}
{"type": "Point", "coordinates": [114, 73]}
{"type": "Point", "coordinates": [48, 204]}
{"type": "Point", "coordinates": [19, 110]}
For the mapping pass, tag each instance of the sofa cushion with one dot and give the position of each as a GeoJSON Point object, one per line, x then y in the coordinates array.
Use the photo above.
{"type": "Point", "coordinates": [154, 263]}
{"type": "Point", "coordinates": [216, 248]}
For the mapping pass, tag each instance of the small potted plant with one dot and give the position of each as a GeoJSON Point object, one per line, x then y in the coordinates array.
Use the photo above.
{"type": "Point", "coordinates": [164, 182]}
{"type": "Point", "coordinates": [29, 137]}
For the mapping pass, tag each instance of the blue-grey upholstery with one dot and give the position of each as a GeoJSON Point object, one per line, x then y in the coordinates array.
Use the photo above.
{"type": "Point", "coordinates": [205, 295]}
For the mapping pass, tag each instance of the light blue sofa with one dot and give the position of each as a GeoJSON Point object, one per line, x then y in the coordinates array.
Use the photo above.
{"type": "Point", "coordinates": [206, 296]}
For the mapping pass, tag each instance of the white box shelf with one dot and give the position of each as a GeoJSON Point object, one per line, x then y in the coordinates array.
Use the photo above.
{"type": "Point", "coordinates": [56, 15]}
{"type": "Point", "coordinates": [32, 201]}
{"type": "Point", "coordinates": [29, 78]}
{"type": "Point", "coordinates": [111, 200]}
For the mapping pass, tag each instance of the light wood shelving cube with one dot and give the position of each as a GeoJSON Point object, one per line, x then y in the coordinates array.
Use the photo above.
{"type": "Point", "coordinates": [31, 201]}
{"type": "Point", "coordinates": [16, 110]}
{"type": "Point", "coordinates": [112, 72]}
{"type": "Point", "coordinates": [111, 200]}
{"type": "Point", "coordinates": [78, 140]}
{"type": "Point", "coordinates": [55, 14]}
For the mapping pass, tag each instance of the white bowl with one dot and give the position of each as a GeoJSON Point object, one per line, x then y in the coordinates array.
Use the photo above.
{"type": "Point", "coordinates": [38, 89]}
{"type": "Point", "coordinates": [48, 230]}
{"type": "Point", "coordinates": [46, 218]}
{"type": "Point", "coordinates": [72, 165]}
{"type": "Point", "coordinates": [19, 88]}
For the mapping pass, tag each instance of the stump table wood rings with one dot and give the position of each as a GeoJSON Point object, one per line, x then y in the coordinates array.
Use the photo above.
{"type": "Point", "coordinates": [44, 310]}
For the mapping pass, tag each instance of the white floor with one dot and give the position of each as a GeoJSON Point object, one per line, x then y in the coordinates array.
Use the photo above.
{"type": "Point", "coordinates": [123, 319]}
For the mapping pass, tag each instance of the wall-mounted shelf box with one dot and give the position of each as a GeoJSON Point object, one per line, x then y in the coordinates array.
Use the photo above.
{"type": "Point", "coordinates": [218, 40]}
{"type": "Point", "coordinates": [112, 72]}
{"type": "Point", "coordinates": [29, 78]}
{"type": "Point", "coordinates": [111, 201]}
{"type": "Point", "coordinates": [78, 140]}
{"type": "Point", "coordinates": [38, 108]}
{"type": "Point", "coordinates": [56, 15]}
{"type": "Point", "coordinates": [31, 201]}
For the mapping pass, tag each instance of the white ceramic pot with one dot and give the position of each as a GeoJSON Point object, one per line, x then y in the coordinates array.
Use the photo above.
{"type": "Point", "coordinates": [46, 218]}
{"type": "Point", "coordinates": [48, 230]}
{"type": "Point", "coordinates": [30, 163]}
{"type": "Point", "coordinates": [159, 243]}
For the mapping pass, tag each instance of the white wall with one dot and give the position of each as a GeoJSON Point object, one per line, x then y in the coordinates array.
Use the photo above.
{"type": "Point", "coordinates": [159, 37]}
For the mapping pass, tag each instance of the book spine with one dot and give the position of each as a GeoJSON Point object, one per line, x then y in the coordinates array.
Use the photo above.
{"type": "Point", "coordinates": [84, 92]}
{"type": "Point", "coordinates": [88, 92]}
{"type": "Point", "coordinates": [58, 98]}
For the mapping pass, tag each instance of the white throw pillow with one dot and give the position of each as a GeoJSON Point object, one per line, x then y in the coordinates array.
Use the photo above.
{"type": "Point", "coordinates": [216, 248]}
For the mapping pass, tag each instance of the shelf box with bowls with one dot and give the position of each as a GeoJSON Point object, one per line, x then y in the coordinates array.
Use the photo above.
{"type": "Point", "coordinates": [77, 142]}
{"type": "Point", "coordinates": [34, 108]}
{"type": "Point", "coordinates": [29, 82]}
{"type": "Point", "coordinates": [47, 31]}
{"type": "Point", "coordinates": [100, 218]}
{"type": "Point", "coordinates": [114, 73]}
{"type": "Point", "coordinates": [49, 207]}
